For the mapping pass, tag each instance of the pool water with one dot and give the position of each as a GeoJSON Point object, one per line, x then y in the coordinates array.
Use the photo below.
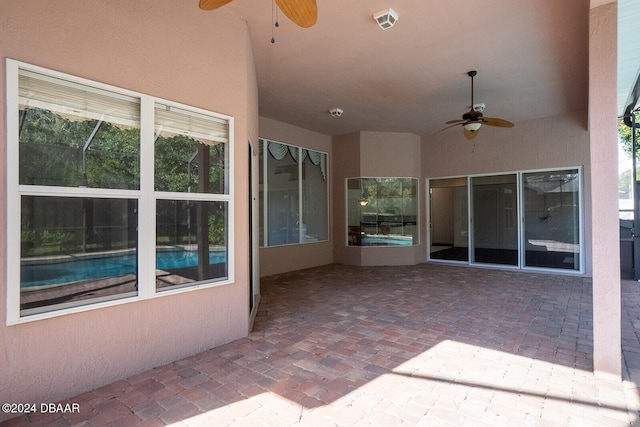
{"type": "Point", "coordinates": [387, 241]}
{"type": "Point", "coordinates": [77, 269]}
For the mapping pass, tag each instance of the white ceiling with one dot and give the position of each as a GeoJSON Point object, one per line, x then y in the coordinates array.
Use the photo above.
{"type": "Point", "coordinates": [531, 57]}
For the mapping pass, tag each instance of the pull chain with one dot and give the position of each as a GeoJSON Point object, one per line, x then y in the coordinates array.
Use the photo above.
{"type": "Point", "coordinates": [274, 18]}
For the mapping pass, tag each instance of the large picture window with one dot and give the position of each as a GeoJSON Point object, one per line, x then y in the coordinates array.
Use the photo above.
{"type": "Point", "coordinates": [382, 211]}
{"type": "Point", "coordinates": [92, 170]}
{"type": "Point", "coordinates": [293, 194]}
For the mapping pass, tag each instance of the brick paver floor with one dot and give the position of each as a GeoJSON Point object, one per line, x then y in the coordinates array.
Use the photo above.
{"type": "Point", "coordinates": [423, 345]}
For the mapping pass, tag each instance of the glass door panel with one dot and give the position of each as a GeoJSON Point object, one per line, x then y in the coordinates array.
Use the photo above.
{"type": "Point", "coordinates": [552, 219]}
{"type": "Point", "coordinates": [495, 224]}
{"type": "Point", "coordinates": [449, 219]}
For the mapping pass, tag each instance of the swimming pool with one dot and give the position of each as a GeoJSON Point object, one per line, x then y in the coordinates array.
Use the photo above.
{"type": "Point", "coordinates": [378, 240]}
{"type": "Point", "coordinates": [76, 269]}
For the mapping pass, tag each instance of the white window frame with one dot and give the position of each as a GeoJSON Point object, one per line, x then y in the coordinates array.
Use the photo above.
{"type": "Point", "coordinates": [146, 197]}
{"type": "Point", "coordinates": [264, 201]}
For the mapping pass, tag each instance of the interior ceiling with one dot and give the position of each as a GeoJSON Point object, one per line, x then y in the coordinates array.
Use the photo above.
{"type": "Point", "coordinates": [531, 57]}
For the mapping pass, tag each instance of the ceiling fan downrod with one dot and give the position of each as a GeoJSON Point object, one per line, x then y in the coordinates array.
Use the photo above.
{"type": "Point", "coordinates": [472, 74]}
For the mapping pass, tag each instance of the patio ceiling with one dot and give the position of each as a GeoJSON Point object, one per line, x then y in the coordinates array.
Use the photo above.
{"type": "Point", "coordinates": [531, 57]}
{"type": "Point", "coordinates": [628, 50]}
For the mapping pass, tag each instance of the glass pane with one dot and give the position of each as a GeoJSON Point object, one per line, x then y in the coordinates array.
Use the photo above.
{"type": "Point", "coordinates": [449, 219]}
{"type": "Point", "coordinates": [495, 220]}
{"type": "Point", "coordinates": [283, 195]}
{"type": "Point", "coordinates": [76, 249]}
{"type": "Point", "coordinates": [625, 183]}
{"type": "Point", "coordinates": [382, 211]}
{"type": "Point", "coordinates": [190, 152]}
{"type": "Point", "coordinates": [72, 135]}
{"type": "Point", "coordinates": [314, 197]}
{"type": "Point", "coordinates": [261, 200]}
{"type": "Point", "coordinates": [191, 242]}
{"type": "Point", "coordinates": [551, 219]}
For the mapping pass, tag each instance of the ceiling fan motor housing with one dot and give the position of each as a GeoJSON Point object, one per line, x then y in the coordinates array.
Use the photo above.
{"type": "Point", "coordinates": [474, 116]}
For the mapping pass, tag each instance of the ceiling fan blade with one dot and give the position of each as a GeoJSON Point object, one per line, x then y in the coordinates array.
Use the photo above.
{"type": "Point", "coordinates": [450, 126]}
{"type": "Point", "coordinates": [454, 121]}
{"type": "Point", "coordinates": [470, 134]}
{"type": "Point", "coordinates": [302, 12]}
{"type": "Point", "coordinates": [501, 123]}
{"type": "Point", "coordinates": [213, 4]}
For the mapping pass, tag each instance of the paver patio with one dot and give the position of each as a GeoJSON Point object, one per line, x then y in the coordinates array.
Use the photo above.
{"type": "Point", "coordinates": [419, 345]}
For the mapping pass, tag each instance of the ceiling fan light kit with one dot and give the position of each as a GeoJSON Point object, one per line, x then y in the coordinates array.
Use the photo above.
{"type": "Point", "coordinates": [472, 126]}
{"type": "Point", "coordinates": [473, 119]}
{"type": "Point", "coordinates": [386, 18]}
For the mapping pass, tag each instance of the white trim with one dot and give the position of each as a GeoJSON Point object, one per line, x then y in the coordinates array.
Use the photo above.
{"type": "Point", "coordinates": [13, 208]}
{"type": "Point", "coordinates": [230, 170]}
{"type": "Point", "coordinates": [146, 203]}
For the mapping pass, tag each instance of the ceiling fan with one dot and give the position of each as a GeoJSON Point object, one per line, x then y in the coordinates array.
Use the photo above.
{"type": "Point", "coordinates": [302, 12]}
{"type": "Point", "coordinates": [473, 119]}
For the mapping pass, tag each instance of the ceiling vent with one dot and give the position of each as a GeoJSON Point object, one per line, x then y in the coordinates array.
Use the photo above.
{"type": "Point", "coordinates": [386, 18]}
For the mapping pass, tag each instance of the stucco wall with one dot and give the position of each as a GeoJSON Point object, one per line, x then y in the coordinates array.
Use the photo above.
{"type": "Point", "coordinates": [346, 164]}
{"type": "Point", "coordinates": [162, 48]}
{"type": "Point", "coordinates": [553, 142]}
{"type": "Point", "coordinates": [280, 259]}
{"type": "Point", "coordinates": [375, 154]}
{"type": "Point", "coordinates": [603, 33]}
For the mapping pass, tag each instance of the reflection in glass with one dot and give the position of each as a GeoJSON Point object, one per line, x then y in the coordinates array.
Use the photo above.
{"type": "Point", "coordinates": [190, 152]}
{"type": "Point", "coordinates": [294, 206]}
{"type": "Point", "coordinates": [314, 196]}
{"type": "Point", "coordinates": [283, 194]}
{"type": "Point", "coordinates": [75, 250]}
{"type": "Point", "coordinates": [191, 242]}
{"type": "Point", "coordinates": [382, 211]}
{"type": "Point", "coordinates": [261, 185]}
{"type": "Point", "coordinates": [73, 135]}
{"type": "Point", "coordinates": [551, 219]}
{"type": "Point", "coordinates": [495, 224]}
{"type": "Point", "coordinates": [449, 217]}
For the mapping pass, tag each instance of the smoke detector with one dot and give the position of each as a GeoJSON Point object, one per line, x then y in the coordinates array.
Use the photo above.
{"type": "Point", "coordinates": [336, 112]}
{"type": "Point", "coordinates": [386, 18]}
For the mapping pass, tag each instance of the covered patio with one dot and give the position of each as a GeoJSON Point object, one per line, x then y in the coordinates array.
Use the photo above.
{"type": "Point", "coordinates": [406, 345]}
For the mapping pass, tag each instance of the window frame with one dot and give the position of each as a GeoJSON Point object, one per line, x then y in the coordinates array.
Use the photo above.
{"type": "Point", "coordinates": [146, 197]}
{"type": "Point", "coordinates": [263, 199]}
{"type": "Point", "coordinates": [415, 238]}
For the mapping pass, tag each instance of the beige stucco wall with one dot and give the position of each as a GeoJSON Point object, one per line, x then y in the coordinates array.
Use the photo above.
{"type": "Point", "coordinates": [375, 154]}
{"type": "Point", "coordinates": [197, 58]}
{"type": "Point", "coordinates": [346, 164]}
{"type": "Point", "coordinates": [553, 142]}
{"type": "Point", "coordinates": [603, 32]}
{"type": "Point", "coordinates": [280, 259]}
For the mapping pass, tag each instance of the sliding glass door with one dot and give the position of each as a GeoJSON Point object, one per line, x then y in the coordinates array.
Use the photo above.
{"type": "Point", "coordinates": [551, 203]}
{"type": "Point", "coordinates": [495, 223]}
{"type": "Point", "coordinates": [529, 219]}
{"type": "Point", "coordinates": [449, 217]}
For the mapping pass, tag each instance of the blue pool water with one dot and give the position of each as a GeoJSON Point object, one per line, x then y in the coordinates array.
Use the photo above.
{"type": "Point", "coordinates": [77, 269]}
{"type": "Point", "coordinates": [387, 241]}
